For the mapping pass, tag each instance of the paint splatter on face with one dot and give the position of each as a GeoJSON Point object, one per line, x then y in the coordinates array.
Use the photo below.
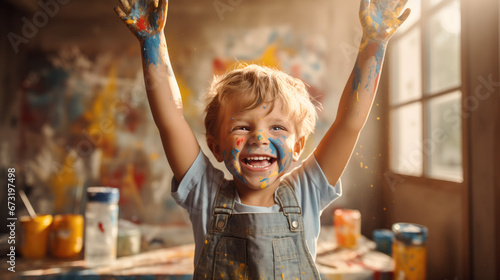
{"type": "Point", "coordinates": [257, 145]}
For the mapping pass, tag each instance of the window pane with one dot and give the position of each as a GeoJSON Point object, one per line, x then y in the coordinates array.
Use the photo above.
{"type": "Point", "coordinates": [433, 3]}
{"type": "Point", "coordinates": [415, 6]}
{"type": "Point", "coordinates": [444, 142]}
{"type": "Point", "coordinates": [406, 74]}
{"type": "Point", "coordinates": [443, 48]}
{"type": "Point", "coordinates": [407, 155]}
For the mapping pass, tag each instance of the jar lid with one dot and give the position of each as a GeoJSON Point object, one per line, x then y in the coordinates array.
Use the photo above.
{"type": "Point", "coordinates": [410, 234]}
{"type": "Point", "coordinates": [103, 194]}
{"type": "Point", "coordinates": [383, 234]}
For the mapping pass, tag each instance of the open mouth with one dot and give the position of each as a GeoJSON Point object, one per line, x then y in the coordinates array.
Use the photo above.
{"type": "Point", "coordinates": [259, 161]}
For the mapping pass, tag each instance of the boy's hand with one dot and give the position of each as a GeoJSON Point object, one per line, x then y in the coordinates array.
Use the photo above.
{"type": "Point", "coordinates": [381, 18]}
{"type": "Point", "coordinates": [145, 18]}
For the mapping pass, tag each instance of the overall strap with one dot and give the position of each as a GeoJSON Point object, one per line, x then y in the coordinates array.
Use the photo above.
{"type": "Point", "coordinates": [289, 204]}
{"type": "Point", "coordinates": [223, 205]}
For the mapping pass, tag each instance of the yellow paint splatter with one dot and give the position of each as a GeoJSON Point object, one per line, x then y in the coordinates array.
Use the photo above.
{"type": "Point", "coordinates": [263, 185]}
{"type": "Point", "coordinates": [130, 21]}
{"type": "Point", "coordinates": [378, 118]}
{"type": "Point", "coordinates": [361, 164]}
{"type": "Point", "coordinates": [371, 186]}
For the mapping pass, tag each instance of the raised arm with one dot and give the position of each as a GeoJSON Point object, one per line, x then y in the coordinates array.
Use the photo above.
{"type": "Point", "coordinates": [146, 19]}
{"type": "Point", "coordinates": [379, 19]}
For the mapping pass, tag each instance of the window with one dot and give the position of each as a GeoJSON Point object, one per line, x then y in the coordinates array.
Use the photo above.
{"type": "Point", "coordinates": [426, 92]}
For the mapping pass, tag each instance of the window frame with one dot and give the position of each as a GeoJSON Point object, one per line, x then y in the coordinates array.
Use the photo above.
{"type": "Point", "coordinates": [426, 13]}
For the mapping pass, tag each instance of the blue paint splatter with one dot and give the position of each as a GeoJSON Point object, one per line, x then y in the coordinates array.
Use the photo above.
{"type": "Point", "coordinates": [151, 50]}
{"type": "Point", "coordinates": [357, 77]}
{"type": "Point", "coordinates": [279, 148]}
{"type": "Point", "coordinates": [234, 152]}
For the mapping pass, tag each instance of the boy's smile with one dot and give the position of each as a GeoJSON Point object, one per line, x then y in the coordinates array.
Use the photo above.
{"type": "Point", "coordinates": [257, 145]}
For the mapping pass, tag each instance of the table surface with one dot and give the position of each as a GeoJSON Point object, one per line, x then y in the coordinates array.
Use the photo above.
{"type": "Point", "coordinates": [177, 263]}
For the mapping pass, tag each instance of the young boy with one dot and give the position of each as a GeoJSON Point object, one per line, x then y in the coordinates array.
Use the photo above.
{"type": "Point", "coordinates": [264, 223]}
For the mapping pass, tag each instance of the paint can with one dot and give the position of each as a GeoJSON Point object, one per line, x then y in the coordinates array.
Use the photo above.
{"type": "Point", "coordinates": [66, 236]}
{"type": "Point", "coordinates": [347, 224]}
{"type": "Point", "coordinates": [34, 236]}
{"type": "Point", "coordinates": [383, 240]}
{"type": "Point", "coordinates": [409, 251]}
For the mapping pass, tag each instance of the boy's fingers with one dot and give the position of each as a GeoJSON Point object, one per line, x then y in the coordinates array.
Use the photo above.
{"type": "Point", "coordinates": [121, 14]}
{"type": "Point", "coordinates": [162, 5]}
{"type": "Point", "coordinates": [404, 16]}
{"type": "Point", "coordinates": [363, 6]}
{"type": "Point", "coordinates": [126, 5]}
{"type": "Point", "coordinates": [400, 6]}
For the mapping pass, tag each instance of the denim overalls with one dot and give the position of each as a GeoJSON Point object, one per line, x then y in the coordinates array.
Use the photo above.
{"type": "Point", "coordinates": [255, 245]}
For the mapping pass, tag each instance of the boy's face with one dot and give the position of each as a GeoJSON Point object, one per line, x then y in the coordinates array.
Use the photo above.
{"type": "Point", "coordinates": [257, 146]}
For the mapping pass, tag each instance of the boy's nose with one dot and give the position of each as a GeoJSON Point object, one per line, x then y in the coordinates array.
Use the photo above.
{"type": "Point", "coordinates": [258, 138]}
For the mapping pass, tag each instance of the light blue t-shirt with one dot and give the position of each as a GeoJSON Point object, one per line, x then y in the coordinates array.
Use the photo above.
{"type": "Point", "coordinates": [198, 189]}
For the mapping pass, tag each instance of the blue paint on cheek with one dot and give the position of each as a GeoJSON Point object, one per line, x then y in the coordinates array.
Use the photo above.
{"type": "Point", "coordinates": [234, 152]}
{"type": "Point", "coordinates": [278, 146]}
{"type": "Point", "coordinates": [231, 164]}
{"type": "Point", "coordinates": [151, 50]}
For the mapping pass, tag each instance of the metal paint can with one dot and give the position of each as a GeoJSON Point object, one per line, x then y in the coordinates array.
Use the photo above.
{"type": "Point", "coordinates": [409, 251]}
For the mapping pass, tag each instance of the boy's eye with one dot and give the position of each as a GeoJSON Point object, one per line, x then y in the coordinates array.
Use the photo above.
{"type": "Point", "coordinates": [278, 127]}
{"type": "Point", "coordinates": [245, 128]}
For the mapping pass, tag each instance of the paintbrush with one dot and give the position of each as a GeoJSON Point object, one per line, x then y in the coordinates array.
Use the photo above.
{"type": "Point", "coordinates": [27, 203]}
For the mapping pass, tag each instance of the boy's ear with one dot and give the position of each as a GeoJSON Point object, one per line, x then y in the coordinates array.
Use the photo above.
{"type": "Point", "coordinates": [299, 146]}
{"type": "Point", "coordinates": [215, 148]}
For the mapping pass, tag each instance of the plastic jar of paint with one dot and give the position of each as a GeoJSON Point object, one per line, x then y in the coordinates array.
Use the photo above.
{"type": "Point", "coordinates": [66, 236]}
{"type": "Point", "coordinates": [347, 223]}
{"type": "Point", "coordinates": [383, 240]}
{"type": "Point", "coordinates": [35, 236]}
{"type": "Point", "coordinates": [101, 226]}
{"type": "Point", "coordinates": [409, 251]}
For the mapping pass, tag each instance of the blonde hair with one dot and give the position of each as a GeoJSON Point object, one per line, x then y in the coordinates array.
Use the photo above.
{"type": "Point", "coordinates": [254, 85]}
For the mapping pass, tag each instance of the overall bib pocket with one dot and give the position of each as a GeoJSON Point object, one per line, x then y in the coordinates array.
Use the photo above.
{"type": "Point", "coordinates": [286, 259]}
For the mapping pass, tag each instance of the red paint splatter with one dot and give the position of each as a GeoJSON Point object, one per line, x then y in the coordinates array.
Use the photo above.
{"type": "Point", "coordinates": [141, 23]}
{"type": "Point", "coordinates": [101, 227]}
{"type": "Point", "coordinates": [239, 141]}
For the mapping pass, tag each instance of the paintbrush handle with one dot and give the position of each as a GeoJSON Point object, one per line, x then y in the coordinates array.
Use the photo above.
{"type": "Point", "coordinates": [27, 203]}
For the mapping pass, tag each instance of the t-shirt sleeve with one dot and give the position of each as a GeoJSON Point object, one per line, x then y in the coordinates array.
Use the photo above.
{"type": "Point", "coordinates": [312, 186]}
{"type": "Point", "coordinates": [198, 188]}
